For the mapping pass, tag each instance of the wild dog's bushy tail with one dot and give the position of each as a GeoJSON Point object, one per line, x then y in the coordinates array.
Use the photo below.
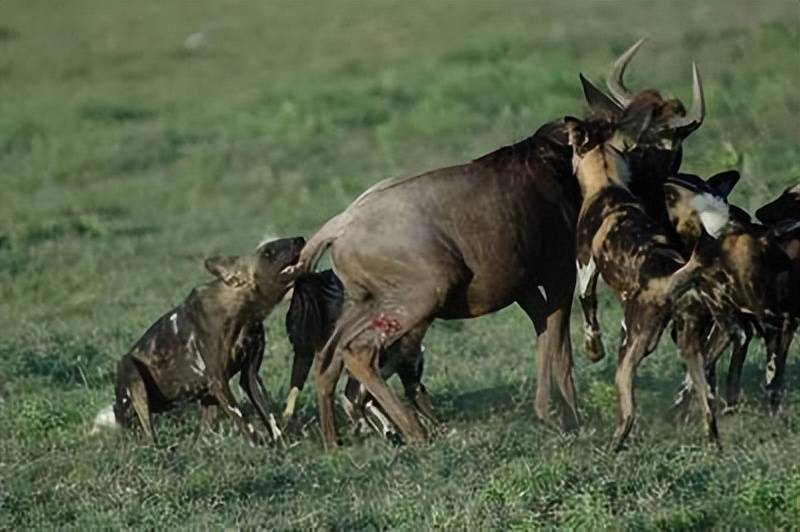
{"type": "Point", "coordinates": [105, 419]}
{"type": "Point", "coordinates": [316, 305]}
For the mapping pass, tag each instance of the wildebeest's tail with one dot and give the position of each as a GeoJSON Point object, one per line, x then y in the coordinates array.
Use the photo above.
{"type": "Point", "coordinates": [321, 241]}
{"type": "Point", "coordinates": [316, 305]}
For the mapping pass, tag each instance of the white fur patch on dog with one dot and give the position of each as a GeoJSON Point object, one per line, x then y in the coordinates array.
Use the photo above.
{"type": "Point", "coordinates": [585, 273]}
{"type": "Point", "coordinates": [105, 419]}
{"type": "Point", "coordinates": [174, 320]}
{"type": "Point", "coordinates": [713, 212]}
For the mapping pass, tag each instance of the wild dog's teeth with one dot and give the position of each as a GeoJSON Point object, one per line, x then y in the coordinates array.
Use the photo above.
{"type": "Point", "coordinates": [292, 268]}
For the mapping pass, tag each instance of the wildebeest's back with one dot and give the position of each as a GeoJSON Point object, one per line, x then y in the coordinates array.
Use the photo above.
{"type": "Point", "coordinates": [485, 230]}
{"type": "Point", "coordinates": [629, 247]}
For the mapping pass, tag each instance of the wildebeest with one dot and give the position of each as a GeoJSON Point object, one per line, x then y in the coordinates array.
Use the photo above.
{"type": "Point", "coordinates": [746, 275]}
{"type": "Point", "coordinates": [619, 241]}
{"type": "Point", "coordinates": [191, 352]}
{"type": "Point", "coordinates": [315, 306]}
{"type": "Point", "coordinates": [455, 243]}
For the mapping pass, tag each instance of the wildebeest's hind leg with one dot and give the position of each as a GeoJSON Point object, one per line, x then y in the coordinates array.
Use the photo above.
{"type": "Point", "coordinates": [645, 324]}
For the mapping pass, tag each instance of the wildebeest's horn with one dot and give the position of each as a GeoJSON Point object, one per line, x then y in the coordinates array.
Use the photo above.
{"type": "Point", "coordinates": [686, 124]}
{"type": "Point", "coordinates": [597, 100]}
{"type": "Point", "coordinates": [617, 70]}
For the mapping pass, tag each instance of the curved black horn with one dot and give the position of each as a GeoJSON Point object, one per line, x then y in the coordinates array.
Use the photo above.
{"type": "Point", "coordinates": [597, 100]}
{"type": "Point", "coordinates": [614, 80]}
{"type": "Point", "coordinates": [686, 124]}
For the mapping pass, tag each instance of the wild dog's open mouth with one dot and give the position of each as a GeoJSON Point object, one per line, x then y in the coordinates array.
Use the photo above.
{"type": "Point", "coordinates": [292, 268]}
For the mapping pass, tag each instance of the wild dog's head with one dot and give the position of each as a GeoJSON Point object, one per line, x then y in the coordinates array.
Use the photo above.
{"type": "Point", "coordinates": [658, 152]}
{"type": "Point", "coordinates": [267, 274]}
{"type": "Point", "coordinates": [603, 147]}
{"type": "Point", "coordinates": [696, 206]}
{"type": "Point", "coordinates": [783, 208]}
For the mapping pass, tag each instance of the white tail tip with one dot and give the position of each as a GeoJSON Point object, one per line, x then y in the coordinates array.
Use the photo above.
{"type": "Point", "coordinates": [105, 419]}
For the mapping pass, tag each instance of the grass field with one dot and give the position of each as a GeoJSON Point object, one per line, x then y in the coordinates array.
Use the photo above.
{"type": "Point", "coordinates": [138, 138]}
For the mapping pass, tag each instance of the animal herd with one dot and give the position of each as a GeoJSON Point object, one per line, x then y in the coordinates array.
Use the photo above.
{"type": "Point", "coordinates": [579, 200]}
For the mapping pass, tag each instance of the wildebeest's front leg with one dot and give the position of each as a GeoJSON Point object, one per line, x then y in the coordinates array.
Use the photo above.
{"type": "Point", "coordinates": [549, 310]}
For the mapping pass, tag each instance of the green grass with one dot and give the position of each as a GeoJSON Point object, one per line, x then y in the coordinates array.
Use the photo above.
{"type": "Point", "coordinates": [126, 158]}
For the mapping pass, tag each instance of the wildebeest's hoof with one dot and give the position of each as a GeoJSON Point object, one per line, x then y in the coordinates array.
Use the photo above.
{"type": "Point", "coordinates": [593, 347]}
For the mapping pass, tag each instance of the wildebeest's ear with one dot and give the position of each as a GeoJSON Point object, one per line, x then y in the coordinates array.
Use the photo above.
{"type": "Point", "coordinates": [227, 269]}
{"type": "Point", "coordinates": [597, 100]}
{"type": "Point", "coordinates": [724, 182]}
{"type": "Point", "coordinates": [635, 121]}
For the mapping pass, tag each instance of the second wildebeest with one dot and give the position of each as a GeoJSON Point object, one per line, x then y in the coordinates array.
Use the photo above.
{"type": "Point", "coordinates": [455, 243]}
{"type": "Point", "coordinates": [315, 307]}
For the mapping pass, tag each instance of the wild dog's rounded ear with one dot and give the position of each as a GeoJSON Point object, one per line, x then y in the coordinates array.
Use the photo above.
{"type": "Point", "coordinates": [576, 132]}
{"type": "Point", "coordinates": [227, 269]}
{"type": "Point", "coordinates": [724, 182]}
{"type": "Point", "coordinates": [597, 100]}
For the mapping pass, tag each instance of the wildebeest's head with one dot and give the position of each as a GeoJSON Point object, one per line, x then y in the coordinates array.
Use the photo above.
{"type": "Point", "coordinates": [268, 273]}
{"type": "Point", "coordinates": [695, 205]}
{"type": "Point", "coordinates": [785, 207]}
{"type": "Point", "coordinates": [658, 153]}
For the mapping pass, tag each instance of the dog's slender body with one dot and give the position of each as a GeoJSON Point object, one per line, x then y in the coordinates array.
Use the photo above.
{"type": "Point", "coordinates": [191, 352]}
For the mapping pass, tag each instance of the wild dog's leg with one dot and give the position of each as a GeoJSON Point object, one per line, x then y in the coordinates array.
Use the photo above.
{"type": "Point", "coordinates": [131, 390]}
{"type": "Point", "coordinates": [209, 413]}
{"type": "Point", "coordinates": [222, 394]}
{"type": "Point", "coordinates": [778, 340]}
{"type": "Point", "coordinates": [645, 323]}
{"type": "Point", "coordinates": [693, 335]}
{"type": "Point", "coordinates": [698, 334]}
{"type": "Point", "coordinates": [251, 382]}
{"type": "Point", "coordinates": [694, 360]}
{"type": "Point", "coordinates": [592, 335]}
{"type": "Point", "coordinates": [741, 342]}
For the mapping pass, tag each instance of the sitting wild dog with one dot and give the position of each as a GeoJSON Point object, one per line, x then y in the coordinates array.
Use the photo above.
{"type": "Point", "coordinates": [192, 351]}
{"type": "Point", "coordinates": [629, 249]}
{"type": "Point", "coordinates": [745, 273]}
{"type": "Point", "coordinates": [317, 301]}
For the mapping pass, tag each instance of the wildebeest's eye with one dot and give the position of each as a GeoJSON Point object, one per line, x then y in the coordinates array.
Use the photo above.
{"type": "Point", "coordinates": [268, 253]}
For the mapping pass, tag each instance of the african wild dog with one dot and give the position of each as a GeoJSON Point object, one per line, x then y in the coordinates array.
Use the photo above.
{"type": "Point", "coordinates": [192, 351]}
{"type": "Point", "coordinates": [617, 240]}
{"type": "Point", "coordinates": [316, 304]}
{"type": "Point", "coordinates": [747, 276]}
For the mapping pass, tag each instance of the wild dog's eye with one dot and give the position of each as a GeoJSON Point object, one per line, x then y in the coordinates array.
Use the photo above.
{"type": "Point", "coordinates": [268, 253]}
